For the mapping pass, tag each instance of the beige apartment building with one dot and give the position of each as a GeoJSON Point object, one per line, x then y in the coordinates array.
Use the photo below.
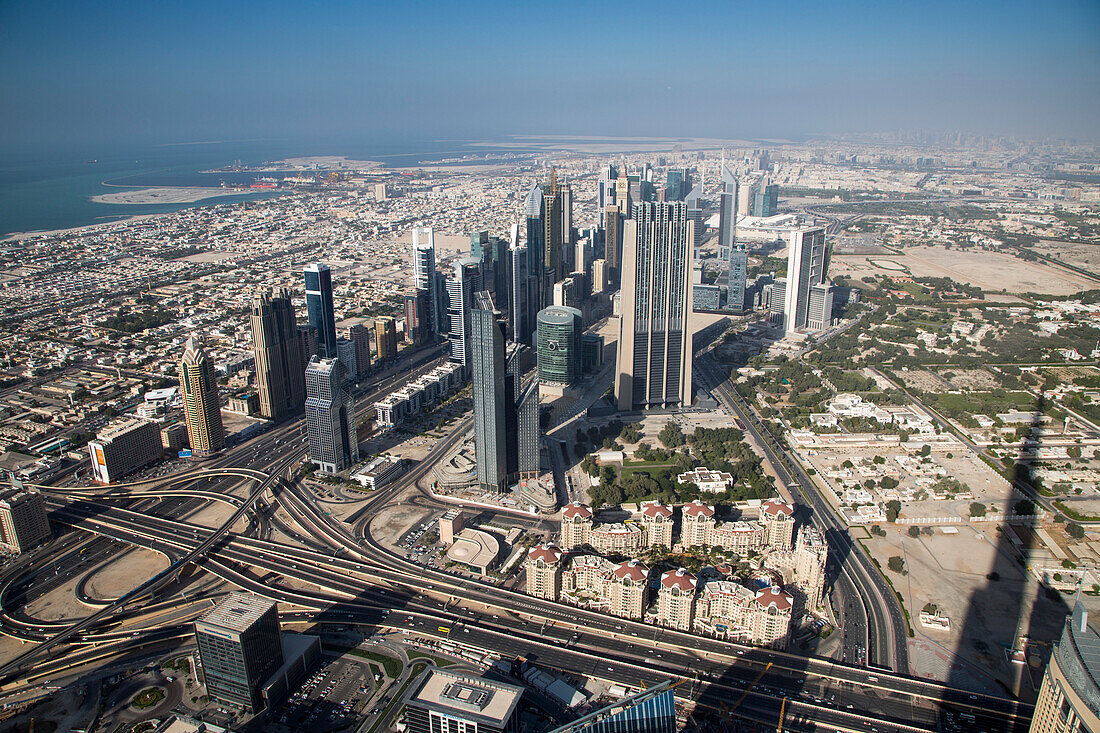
{"type": "Point", "coordinates": [804, 567]}
{"type": "Point", "coordinates": [595, 582]}
{"type": "Point", "coordinates": [731, 611]}
{"type": "Point", "coordinates": [543, 566]}
{"type": "Point", "coordinates": [676, 599]}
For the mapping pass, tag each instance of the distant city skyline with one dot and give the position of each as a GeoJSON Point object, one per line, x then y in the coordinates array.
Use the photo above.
{"type": "Point", "coordinates": [77, 74]}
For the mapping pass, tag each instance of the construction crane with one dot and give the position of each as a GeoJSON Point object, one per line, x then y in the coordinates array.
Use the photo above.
{"type": "Point", "coordinates": [782, 713]}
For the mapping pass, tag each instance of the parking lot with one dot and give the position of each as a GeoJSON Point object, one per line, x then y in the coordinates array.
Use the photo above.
{"type": "Point", "coordinates": [416, 545]}
{"type": "Point", "coordinates": [330, 700]}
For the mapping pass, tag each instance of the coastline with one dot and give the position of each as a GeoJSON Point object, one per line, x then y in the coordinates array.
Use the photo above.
{"type": "Point", "coordinates": [165, 195]}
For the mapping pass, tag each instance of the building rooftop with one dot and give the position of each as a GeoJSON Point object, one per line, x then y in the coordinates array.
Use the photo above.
{"type": "Point", "coordinates": [120, 427]}
{"type": "Point", "coordinates": [484, 701]}
{"type": "Point", "coordinates": [237, 611]}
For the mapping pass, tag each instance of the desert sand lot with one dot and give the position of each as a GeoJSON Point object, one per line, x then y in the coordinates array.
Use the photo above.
{"type": "Point", "coordinates": [165, 195]}
{"type": "Point", "coordinates": [986, 615]}
{"type": "Point", "coordinates": [987, 270]}
{"type": "Point", "coordinates": [1079, 254]}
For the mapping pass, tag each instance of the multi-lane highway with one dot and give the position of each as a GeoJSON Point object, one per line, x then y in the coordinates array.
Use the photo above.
{"type": "Point", "coordinates": [341, 572]}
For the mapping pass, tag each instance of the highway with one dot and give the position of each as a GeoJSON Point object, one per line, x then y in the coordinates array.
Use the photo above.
{"type": "Point", "coordinates": [880, 616]}
{"type": "Point", "coordinates": [343, 573]}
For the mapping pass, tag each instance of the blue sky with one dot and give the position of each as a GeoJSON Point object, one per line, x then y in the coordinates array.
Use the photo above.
{"type": "Point", "coordinates": [77, 73]}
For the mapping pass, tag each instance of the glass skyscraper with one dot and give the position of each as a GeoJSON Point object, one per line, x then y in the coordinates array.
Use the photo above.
{"type": "Point", "coordinates": [275, 344]}
{"type": "Point", "coordinates": [559, 345]}
{"type": "Point", "coordinates": [330, 416]}
{"type": "Point", "coordinates": [487, 374]}
{"type": "Point", "coordinates": [319, 308]}
{"type": "Point", "coordinates": [649, 711]}
{"type": "Point", "coordinates": [240, 648]}
{"type": "Point", "coordinates": [654, 366]}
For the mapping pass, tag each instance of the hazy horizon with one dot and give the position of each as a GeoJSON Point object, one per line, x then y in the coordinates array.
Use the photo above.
{"type": "Point", "coordinates": [75, 75]}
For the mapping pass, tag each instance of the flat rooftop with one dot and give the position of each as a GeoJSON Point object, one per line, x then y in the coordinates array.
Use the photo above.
{"type": "Point", "coordinates": [467, 696]}
{"type": "Point", "coordinates": [237, 611]}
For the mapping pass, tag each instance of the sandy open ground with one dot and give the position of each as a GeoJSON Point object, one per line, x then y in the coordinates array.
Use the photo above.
{"type": "Point", "coordinates": [987, 270]}
{"type": "Point", "coordinates": [164, 195]}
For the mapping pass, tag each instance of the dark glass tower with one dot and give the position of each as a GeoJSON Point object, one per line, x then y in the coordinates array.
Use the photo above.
{"type": "Point", "coordinates": [280, 373]}
{"type": "Point", "coordinates": [240, 648]}
{"type": "Point", "coordinates": [319, 308]}
{"type": "Point", "coordinates": [330, 416]}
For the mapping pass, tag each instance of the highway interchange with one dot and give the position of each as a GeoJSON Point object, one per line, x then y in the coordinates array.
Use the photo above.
{"type": "Point", "coordinates": [339, 573]}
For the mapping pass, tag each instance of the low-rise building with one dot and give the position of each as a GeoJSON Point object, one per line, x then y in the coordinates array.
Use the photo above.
{"type": "Point", "coordinates": [379, 472]}
{"type": "Point", "coordinates": [713, 482]}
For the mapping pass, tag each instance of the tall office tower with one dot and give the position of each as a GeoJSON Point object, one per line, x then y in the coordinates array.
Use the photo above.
{"type": "Point", "coordinates": [1069, 699]}
{"type": "Point", "coordinates": [345, 352]}
{"type": "Point", "coordinates": [536, 251]}
{"type": "Point", "coordinates": [461, 287]}
{"type": "Point", "coordinates": [425, 280]}
{"type": "Point", "coordinates": [385, 337]}
{"type": "Point", "coordinates": [654, 366]}
{"type": "Point", "coordinates": [488, 374]}
{"type": "Point", "coordinates": [623, 198]}
{"type": "Point", "coordinates": [806, 262]}
{"type": "Point", "coordinates": [521, 291]}
{"type": "Point", "coordinates": [599, 276]}
{"type": "Point", "coordinates": [559, 346]}
{"type": "Point", "coordinates": [240, 648]}
{"type": "Point", "coordinates": [553, 237]}
{"type": "Point", "coordinates": [201, 406]}
{"type": "Point", "coordinates": [820, 315]}
{"type": "Point", "coordinates": [23, 523]}
{"type": "Point", "coordinates": [652, 710]}
{"type": "Point", "coordinates": [359, 335]}
{"type": "Point", "coordinates": [727, 208]}
{"type": "Point", "coordinates": [745, 195]}
{"type": "Point", "coordinates": [505, 413]}
{"type": "Point", "coordinates": [613, 243]}
{"type": "Point", "coordinates": [694, 200]}
{"type": "Point", "coordinates": [765, 200]}
{"type": "Point", "coordinates": [582, 259]}
{"type": "Point", "coordinates": [776, 294]}
{"type": "Point", "coordinates": [567, 226]}
{"type": "Point", "coordinates": [677, 184]}
{"type": "Point", "coordinates": [416, 318]}
{"type": "Point", "coordinates": [501, 284]}
{"type": "Point", "coordinates": [479, 243]}
{"type": "Point", "coordinates": [278, 355]}
{"type": "Point", "coordinates": [567, 292]}
{"type": "Point", "coordinates": [738, 277]}
{"type": "Point", "coordinates": [330, 416]}
{"type": "Point", "coordinates": [319, 308]}
{"type": "Point", "coordinates": [606, 194]}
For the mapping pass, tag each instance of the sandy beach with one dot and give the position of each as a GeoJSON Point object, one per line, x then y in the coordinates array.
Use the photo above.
{"type": "Point", "coordinates": [165, 195]}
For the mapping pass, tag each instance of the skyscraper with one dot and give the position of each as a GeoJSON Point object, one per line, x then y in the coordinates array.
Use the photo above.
{"type": "Point", "coordinates": [240, 648]}
{"type": "Point", "coordinates": [559, 346]}
{"type": "Point", "coordinates": [417, 326]}
{"type": "Point", "coordinates": [1069, 699]}
{"type": "Point", "coordinates": [487, 374]}
{"type": "Point", "coordinates": [765, 200]}
{"type": "Point", "coordinates": [385, 337]}
{"type": "Point", "coordinates": [522, 291]}
{"type": "Point", "coordinates": [536, 263]}
{"type": "Point", "coordinates": [654, 366]}
{"type": "Point", "coordinates": [677, 184]}
{"type": "Point", "coordinates": [201, 405]}
{"type": "Point", "coordinates": [613, 243]}
{"type": "Point", "coordinates": [806, 264]}
{"type": "Point", "coordinates": [330, 416]}
{"type": "Point", "coordinates": [359, 335]}
{"type": "Point", "coordinates": [505, 412]}
{"type": "Point", "coordinates": [606, 193]}
{"type": "Point", "coordinates": [276, 345]}
{"type": "Point", "coordinates": [319, 308]}
{"type": "Point", "coordinates": [424, 278]}
{"type": "Point", "coordinates": [738, 277]}
{"type": "Point", "coordinates": [552, 219]}
{"type": "Point", "coordinates": [461, 287]}
{"type": "Point", "coordinates": [727, 209]}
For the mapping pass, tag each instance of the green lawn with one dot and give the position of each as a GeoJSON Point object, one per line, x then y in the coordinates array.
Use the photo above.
{"type": "Point", "coordinates": [392, 666]}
